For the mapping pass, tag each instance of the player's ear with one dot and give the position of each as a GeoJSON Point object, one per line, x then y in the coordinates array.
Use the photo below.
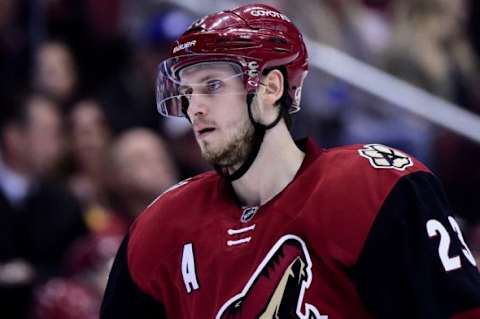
{"type": "Point", "coordinates": [273, 87]}
{"type": "Point", "coordinates": [268, 97]}
{"type": "Point", "coordinates": [267, 100]}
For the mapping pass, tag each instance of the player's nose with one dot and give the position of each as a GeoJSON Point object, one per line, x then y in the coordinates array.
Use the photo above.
{"type": "Point", "coordinates": [197, 106]}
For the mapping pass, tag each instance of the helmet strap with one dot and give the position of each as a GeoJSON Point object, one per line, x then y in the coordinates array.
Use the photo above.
{"type": "Point", "coordinates": [258, 135]}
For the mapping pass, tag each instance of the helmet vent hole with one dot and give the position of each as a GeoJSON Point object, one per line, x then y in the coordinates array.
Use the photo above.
{"type": "Point", "coordinates": [278, 40]}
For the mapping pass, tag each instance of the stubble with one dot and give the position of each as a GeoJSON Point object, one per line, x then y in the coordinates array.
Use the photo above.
{"type": "Point", "coordinates": [235, 150]}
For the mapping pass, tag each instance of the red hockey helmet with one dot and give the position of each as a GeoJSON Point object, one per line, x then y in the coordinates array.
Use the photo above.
{"type": "Point", "coordinates": [251, 38]}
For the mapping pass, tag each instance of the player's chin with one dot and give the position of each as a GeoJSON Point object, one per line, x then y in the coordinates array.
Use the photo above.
{"type": "Point", "coordinates": [214, 156]}
{"type": "Point", "coordinates": [212, 143]}
{"type": "Point", "coordinates": [207, 150]}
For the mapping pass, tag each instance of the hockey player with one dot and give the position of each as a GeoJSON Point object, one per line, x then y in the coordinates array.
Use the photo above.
{"type": "Point", "coordinates": [283, 229]}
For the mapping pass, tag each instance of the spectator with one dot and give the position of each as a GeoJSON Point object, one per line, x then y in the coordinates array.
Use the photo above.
{"type": "Point", "coordinates": [140, 169]}
{"type": "Point", "coordinates": [55, 72]}
{"type": "Point", "coordinates": [90, 140]}
{"type": "Point", "coordinates": [39, 219]}
{"type": "Point", "coordinates": [90, 29]}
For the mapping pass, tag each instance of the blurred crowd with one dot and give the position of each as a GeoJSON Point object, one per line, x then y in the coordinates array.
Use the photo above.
{"type": "Point", "coordinates": [83, 149]}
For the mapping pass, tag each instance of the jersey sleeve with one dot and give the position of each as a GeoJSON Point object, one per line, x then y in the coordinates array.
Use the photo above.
{"type": "Point", "coordinates": [415, 263]}
{"type": "Point", "coordinates": [123, 298]}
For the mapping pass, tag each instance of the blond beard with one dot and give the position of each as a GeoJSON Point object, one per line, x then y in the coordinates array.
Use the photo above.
{"type": "Point", "coordinates": [236, 150]}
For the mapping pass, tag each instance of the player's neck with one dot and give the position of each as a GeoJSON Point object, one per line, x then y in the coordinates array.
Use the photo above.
{"type": "Point", "coordinates": [276, 165]}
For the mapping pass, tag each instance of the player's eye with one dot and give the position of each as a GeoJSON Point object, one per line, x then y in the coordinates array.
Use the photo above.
{"type": "Point", "coordinates": [213, 86]}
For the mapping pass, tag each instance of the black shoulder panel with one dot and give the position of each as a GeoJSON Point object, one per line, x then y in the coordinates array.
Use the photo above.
{"type": "Point", "coordinates": [414, 263]}
{"type": "Point", "coordinates": [123, 298]}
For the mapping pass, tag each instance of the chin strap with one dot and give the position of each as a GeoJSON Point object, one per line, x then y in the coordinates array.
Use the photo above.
{"type": "Point", "coordinates": [258, 135]}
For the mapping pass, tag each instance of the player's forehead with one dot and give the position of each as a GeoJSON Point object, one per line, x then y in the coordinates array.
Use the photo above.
{"type": "Point", "coordinates": [199, 72]}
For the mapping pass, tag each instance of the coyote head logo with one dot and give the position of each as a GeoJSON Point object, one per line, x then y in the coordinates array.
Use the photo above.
{"type": "Point", "coordinates": [277, 287]}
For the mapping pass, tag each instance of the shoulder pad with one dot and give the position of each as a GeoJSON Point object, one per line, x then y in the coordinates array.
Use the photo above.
{"type": "Point", "coordinates": [163, 211]}
{"type": "Point", "coordinates": [185, 186]}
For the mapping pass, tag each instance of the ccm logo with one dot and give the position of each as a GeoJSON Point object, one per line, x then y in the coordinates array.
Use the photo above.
{"type": "Point", "coordinates": [184, 46]}
{"type": "Point", "coordinates": [269, 13]}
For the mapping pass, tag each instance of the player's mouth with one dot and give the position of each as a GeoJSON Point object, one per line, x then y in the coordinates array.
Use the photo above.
{"type": "Point", "coordinates": [204, 132]}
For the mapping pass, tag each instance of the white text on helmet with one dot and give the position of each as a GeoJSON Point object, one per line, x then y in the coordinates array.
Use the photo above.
{"type": "Point", "coordinates": [184, 46]}
{"type": "Point", "coordinates": [269, 13]}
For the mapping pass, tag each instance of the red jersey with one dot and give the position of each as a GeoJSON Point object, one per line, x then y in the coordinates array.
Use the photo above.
{"type": "Point", "coordinates": [362, 231]}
